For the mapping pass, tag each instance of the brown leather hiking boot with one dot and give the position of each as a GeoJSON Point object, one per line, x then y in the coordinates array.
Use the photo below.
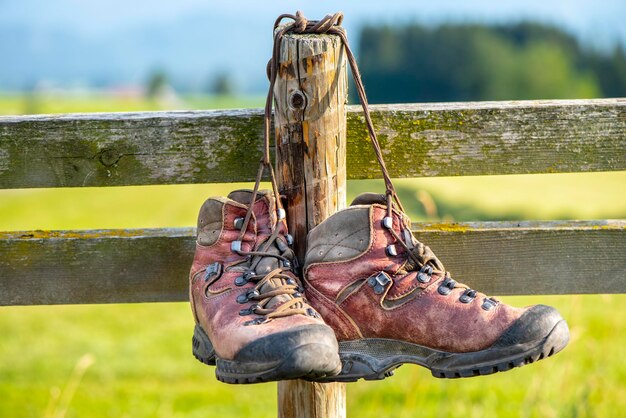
{"type": "Point", "coordinates": [390, 301]}
{"type": "Point", "coordinates": [251, 317]}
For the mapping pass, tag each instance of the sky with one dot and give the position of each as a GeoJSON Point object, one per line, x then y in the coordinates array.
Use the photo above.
{"type": "Point", "coordinates": [120, 41]}
{"type": "Point", "coordinates": [588, 18]}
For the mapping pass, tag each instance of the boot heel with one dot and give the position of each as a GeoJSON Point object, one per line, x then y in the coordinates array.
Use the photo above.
{"type": "Point", "coordinates": [202, 347]}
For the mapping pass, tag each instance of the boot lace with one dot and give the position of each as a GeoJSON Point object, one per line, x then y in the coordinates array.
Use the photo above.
{"type": "Point", "coordinates": [422, 259]}
{"type": "Point", "coordinates": [266, 288]}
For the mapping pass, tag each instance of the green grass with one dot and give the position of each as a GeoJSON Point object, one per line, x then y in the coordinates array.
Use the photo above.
{"type": "Point", "coordinates": [550, 196]}
{"type": "Point", "coordinates": [16, 104]}
{"type": "Point", "coordinates": [142, 367]}
{"type": "Point", "coordinates": [135, 360]}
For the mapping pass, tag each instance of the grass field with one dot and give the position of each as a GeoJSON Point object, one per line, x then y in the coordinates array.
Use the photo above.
{"type": "Point", "coordinates": [16, 104]}
{"type": "Point", "coordinates": [135, 360]}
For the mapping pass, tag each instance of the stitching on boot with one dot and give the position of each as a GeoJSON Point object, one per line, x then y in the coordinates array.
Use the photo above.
{"type": "Point", "coordinates": [335, 245]}
{"type": "Point", "coordinates": [338, 244]}
{"type": "Point", "coordinates": [348, 289]}
{"type": "Point", "coordinates": [381, 297]}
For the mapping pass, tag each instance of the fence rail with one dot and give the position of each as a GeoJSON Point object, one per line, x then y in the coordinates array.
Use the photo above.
{"type": "Point", "coordinates": [143, 265]}
{"type": "Point", "coordinates": [150, 265]}
{"type": "Point", "coordinates": [448, 139]}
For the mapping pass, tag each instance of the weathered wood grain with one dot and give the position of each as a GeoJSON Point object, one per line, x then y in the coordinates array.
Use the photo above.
{"type": "Point", "coordinates": [451, 139]}
{"type": "Point", "coordinates": [150, 265]}
{"type": "Point", "coordinates": [311, 131]}
{"type": "Point", "coordinates": [99, 266]}
{"type": "Point", "coordinates": [534, 258]}
{"type": "Point", "coordinates": [299, 398]}
{"type": "Point", "coordinates": [114, 149]}
{"type": "Point", "coordinates": [310, 125]}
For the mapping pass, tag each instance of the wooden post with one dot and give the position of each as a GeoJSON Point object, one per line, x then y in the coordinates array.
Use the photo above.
{"type": "Point", "coordinates": [310, 124]}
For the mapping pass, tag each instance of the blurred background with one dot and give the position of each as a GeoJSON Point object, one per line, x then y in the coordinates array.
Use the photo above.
{"type": "Point", "coordinates": [135, 360]}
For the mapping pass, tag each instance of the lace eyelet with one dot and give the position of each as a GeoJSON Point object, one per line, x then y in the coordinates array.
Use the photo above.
{"type": "Point", "coordinates": [446, 286]}
{"type": "Point", "coordinates": [391, 250]}
{"type": "Point", "coordinates": [465, 299]}
{"type": "Point", "coordinates": [240, 281]}
{"type": "Point", "coordinates": [212, 270]}
{"type": "Point", "coordinates": [467, 296]}
{"type": "Point", "coordinates": [423, 277]}
{"type": "Point", "coordinates": [425, 274]}
{"type": "Point", "coordinates": [256, 321]}
{"type": "Point", "coordinates": [248, 311]}
{"type": "Point", "coordinates": [379, 282]}
{"type": "Point", "coordinates": [312, 312]}
{"type": "Point", "coordinates": [247, 296]}
{"type": "Point", "coordinates": [488, 304]}
{"type": "Point", "coordinates": [443, 290]}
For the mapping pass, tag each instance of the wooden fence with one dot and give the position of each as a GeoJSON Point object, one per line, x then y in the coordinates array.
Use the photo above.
{"type": "Point", "coordinates": [148, 265]}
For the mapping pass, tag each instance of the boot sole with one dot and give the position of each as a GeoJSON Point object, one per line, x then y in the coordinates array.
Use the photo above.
{"type": "Point", "coordinates": [377, 358]}
{"type": "Point", "coordinates": [305, 362]}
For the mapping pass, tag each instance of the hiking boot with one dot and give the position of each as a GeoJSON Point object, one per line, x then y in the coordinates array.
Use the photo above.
{"type": "Point", "coordinates": [252, 320]}
{"type": "Point", "coordinates": [390, 301]}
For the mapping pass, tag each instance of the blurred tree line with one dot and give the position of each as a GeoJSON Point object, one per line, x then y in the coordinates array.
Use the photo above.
{"type": "Point", "coordinates": [473, 62]}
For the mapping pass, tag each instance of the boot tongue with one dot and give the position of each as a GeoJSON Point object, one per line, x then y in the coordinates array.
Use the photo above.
{"type": "Point", "coordinates": [266, 265]}
{"type": "Point", "coordinates": [422, 252]}
{"type": "Point", "coordinates": [264, 209]}
{"type": "Point", "coordinates": [368, 198]}
{"type": "Point", "coordinates": [244, 196]}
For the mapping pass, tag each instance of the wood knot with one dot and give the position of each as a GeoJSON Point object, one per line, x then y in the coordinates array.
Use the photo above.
{"type": "Point", "coordinates": [297, 100]}
{"type": "Point", "coordinates": [109, 157]}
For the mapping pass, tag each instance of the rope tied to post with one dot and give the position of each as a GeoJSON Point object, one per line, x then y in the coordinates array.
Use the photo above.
{"type": "Point", "coordinates": [302, 25]}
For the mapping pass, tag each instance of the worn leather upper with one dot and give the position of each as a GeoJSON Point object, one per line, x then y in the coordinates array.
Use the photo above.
{"type": "Point", "coordinates": [214, 301]}
{"type": "Point", "coordinates": [348, 249]}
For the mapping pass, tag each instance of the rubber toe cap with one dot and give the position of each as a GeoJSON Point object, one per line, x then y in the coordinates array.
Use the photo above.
{"type": "Point", "coordinates": [315, 341]}
{"type": "Point", "coordinates": [534, 324]}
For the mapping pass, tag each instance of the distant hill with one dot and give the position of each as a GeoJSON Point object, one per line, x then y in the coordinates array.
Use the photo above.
{"type": "Point", "coordinates": [456, 62]}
